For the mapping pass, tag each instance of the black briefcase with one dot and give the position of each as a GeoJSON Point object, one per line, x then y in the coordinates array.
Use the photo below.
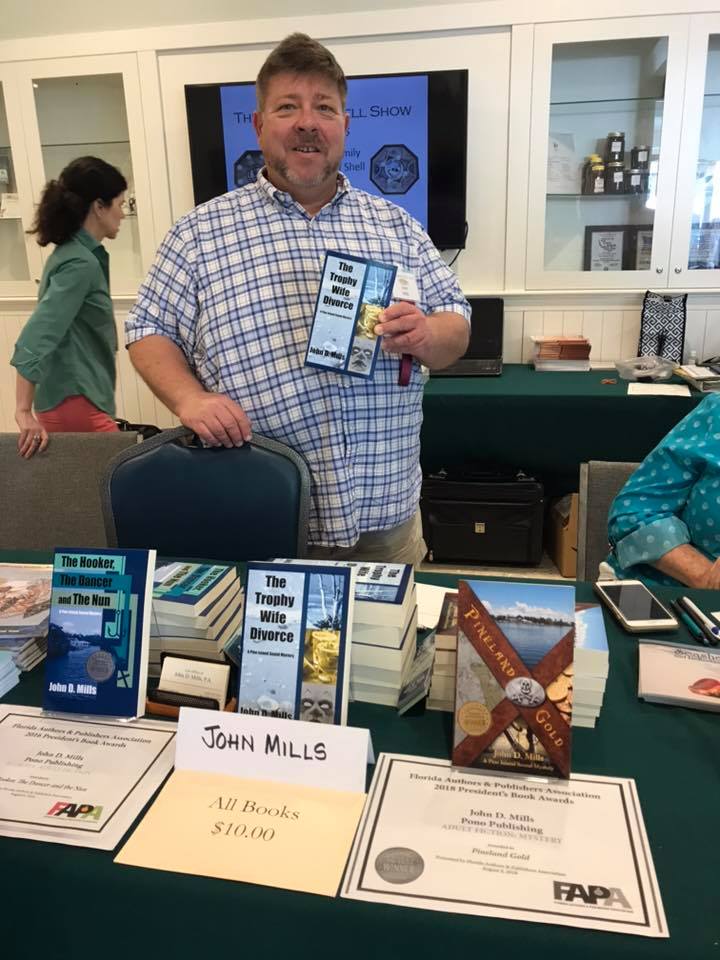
{"type": "Point", "coordinates": [485, 517]}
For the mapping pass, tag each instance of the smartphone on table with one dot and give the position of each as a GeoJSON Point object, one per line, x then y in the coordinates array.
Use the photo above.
{"type": "Point", "coordinates": [636, 608]}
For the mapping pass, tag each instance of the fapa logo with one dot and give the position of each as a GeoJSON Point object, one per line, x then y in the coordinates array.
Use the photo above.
{"type": "Point", "coordinates": [75, 811]}
{"type": "Point", "coordinates": [594, 894]}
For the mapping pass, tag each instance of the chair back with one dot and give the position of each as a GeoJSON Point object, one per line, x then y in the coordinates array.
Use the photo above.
{"type": "Point", "coordinates": [216, 503]}
{"type": "Point", "coordinates": [600, 482]}
{"type": "Point", "coordinates": [53, 499]}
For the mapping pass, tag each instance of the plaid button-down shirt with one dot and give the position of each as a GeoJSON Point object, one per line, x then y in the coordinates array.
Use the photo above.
{"type": "Point", "coordinates": [234, 286]}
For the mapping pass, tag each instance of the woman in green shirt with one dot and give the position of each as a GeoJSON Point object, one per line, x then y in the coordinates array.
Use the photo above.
{"type": "Point", "coordinates": [65, 355]}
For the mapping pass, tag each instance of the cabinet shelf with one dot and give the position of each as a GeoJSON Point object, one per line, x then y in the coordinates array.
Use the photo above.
{"type": "Point", "coordinates": [583, 103]}
{"type": "Point", "coordinates": [597, 196]}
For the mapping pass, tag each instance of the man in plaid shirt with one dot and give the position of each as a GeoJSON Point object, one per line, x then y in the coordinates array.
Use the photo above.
{"type": "Point", "coordinates": [221, 324]}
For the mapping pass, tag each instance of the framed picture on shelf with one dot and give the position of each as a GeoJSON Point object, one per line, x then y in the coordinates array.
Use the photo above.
{"type": "Point", "coordinates": [640, 247]}
{"type": "Point", "coordinates": [7, 184]}
{"type": "Point", "coordinates": [605, 248]}
{"type": "Point", "coordinates": [704, 246]}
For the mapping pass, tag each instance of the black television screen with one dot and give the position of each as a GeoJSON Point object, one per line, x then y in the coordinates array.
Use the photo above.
{"type": "Point", "coordinates": [407, 142]}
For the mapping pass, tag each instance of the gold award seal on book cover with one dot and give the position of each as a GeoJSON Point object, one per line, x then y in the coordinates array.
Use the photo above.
{"type": "Point", "coordinates": [474, 718]}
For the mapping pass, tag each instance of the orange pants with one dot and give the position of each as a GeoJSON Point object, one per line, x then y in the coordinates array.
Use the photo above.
{"type": "Point", "coordinates": [76, 415]}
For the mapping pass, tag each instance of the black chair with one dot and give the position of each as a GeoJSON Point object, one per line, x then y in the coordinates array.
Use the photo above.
{"type": "Point", "coordinates": [184, 500]}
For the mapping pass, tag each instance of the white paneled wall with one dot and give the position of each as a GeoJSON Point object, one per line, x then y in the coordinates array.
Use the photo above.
{"type": "Point", "coordinates": [614, 335]}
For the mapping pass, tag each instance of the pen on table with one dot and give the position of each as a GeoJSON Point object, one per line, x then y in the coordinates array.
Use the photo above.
{"type": "Point", "coordinates": [708, 628]}
{"type": "Point", "coordinates": [692, 628]}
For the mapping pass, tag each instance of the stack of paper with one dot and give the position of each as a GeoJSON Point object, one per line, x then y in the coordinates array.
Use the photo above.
{"type": "Point", "coordinates": [197, 609]}
{"type": "Point", "coordinates": [591, 664]}
{"type": "Point", "coordinates": [9, 673]}
{"type": "Point", "coordinates": [561, 353]}
{"type": "Point", "coordinates": [442, 687]}
{"type": "Point", "coordinates": [24, 610]}
{"type": "Point", "coordinates": [701, 378]}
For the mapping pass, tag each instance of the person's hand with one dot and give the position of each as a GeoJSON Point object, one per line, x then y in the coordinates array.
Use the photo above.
{"type": "Point", "coordinates": [404, 329]}
{"type": "Point", "coordinates": [216, 419]}
{"type": "Point", "coordinates": [711, 578]}
{"type": "Point", "coordinates": [33, 437]}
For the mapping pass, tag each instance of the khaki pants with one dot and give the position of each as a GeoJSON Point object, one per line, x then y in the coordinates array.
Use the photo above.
{"type": "Point", "coordinates": [402, 544]}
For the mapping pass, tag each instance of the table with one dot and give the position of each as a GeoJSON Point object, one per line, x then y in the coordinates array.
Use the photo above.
{"type": "Point", "coordinates": [65, 902]}
{"type": "Point", "coordinates": [544, 423]}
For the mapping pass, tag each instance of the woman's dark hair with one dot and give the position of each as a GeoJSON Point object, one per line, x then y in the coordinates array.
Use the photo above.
{"type": "Point", "coordinates": [65, 202]}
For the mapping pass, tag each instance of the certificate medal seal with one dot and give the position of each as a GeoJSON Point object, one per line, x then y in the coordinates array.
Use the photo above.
{"type": "Point", "coordinates": [474, 718]}
{"type": "Point", "coordinates": [399, 865]}
{"type": "Point", "coordinates": [100, 666]}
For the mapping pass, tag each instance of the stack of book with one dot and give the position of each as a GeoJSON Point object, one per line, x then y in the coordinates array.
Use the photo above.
{"type": "Point", "coordinates": [591, 664]}
{"type": "Point", "coordinates": [196, 610]}
{"type": "Point", "coordinates": [700, 378]}
{"type": "Point", "coordinates": [384, 628]}
{"type": "Point", "coordinates": [25, 591]}
{"type": "Point", "coordinates": [9, 673]}
{"type": "Point", "coordinates": [384, 635]}
{"type": "Point", "coordinates": [442, 686]}
{"type": "Point", "coordinates": [561, 353]}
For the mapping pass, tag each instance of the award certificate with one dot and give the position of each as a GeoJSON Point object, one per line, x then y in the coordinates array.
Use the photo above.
{"type": "Point", "coordinates": [572, 853]}
{"type": "Point", "coordinates": [82, 782]}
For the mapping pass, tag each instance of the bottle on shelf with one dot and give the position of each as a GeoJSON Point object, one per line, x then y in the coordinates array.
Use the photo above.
{"type": "Point", "coordinates": [589, 173]}
{"type": "Point", "coordinates": [640, 157]}
{"type": "Point", "coordinates": [634, 181]}
{"type": "Point", "coordinates": [615, 147]}
{"type": "Point", "coordinates": [615, 177]}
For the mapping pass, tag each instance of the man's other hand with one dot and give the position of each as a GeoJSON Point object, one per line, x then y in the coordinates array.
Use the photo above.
{"type": "Point", "coordinates": [216, 419]}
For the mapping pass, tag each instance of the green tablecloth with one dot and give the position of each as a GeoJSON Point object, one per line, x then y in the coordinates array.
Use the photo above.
{"type": "Point", "coordinates": [65, 902]}
{"type": "Point", "coordinates": [545, 423]}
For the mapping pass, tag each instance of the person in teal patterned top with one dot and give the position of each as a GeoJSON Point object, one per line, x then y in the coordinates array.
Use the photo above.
{"type": "Point", "coordinates": [664, 525]}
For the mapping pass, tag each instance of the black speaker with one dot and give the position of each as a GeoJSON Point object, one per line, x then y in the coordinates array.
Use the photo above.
{"type": "Point", "coordinates": [483, 357]}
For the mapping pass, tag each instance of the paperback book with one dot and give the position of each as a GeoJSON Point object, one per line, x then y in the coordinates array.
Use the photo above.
{"type": "Point", "coordinates": [513, 691]}
{"type": "Point", "coordinates": [353, 293]}
{"type": "Point", "coordinates": [591, 644]}
{"type": "Point", "coordinates": [24, 600]}
{"type": "Point", "coordinates": [679, 675]}
{"type": "Point", "coordinates": [294, 648]}
{"type": "Point", "coordinates": [98, 639]}
{"type": "Point", "coordinates": [186, 589]}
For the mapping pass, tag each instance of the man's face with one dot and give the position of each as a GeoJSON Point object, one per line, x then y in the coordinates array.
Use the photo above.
{"type": "Point", "coordinates": [301, 131]}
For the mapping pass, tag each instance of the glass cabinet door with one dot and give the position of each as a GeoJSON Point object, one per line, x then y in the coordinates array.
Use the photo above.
{"type": "Point", "coordinates": [91, 106]}
{"type": "Point", "coordinates": [601, 150]}
{"type": "Point", "coordinates": [86, 116]}
{"type": "Point", "coordinates": [696, 242]}
{"type": "Point", "coordinates": [13, 253]}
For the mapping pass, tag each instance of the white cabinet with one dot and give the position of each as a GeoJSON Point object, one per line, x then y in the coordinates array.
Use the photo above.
{"type": "Point", "coordinates": [695, 252]}
{"type": "Point", "coordinates": [613, 89]}
{"type": "Point", "coordinates": [20, 260]}
{"type": "Point", "coordinates": [643, 96]}
{"type": "Point", "coordinates": [63, 109]}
